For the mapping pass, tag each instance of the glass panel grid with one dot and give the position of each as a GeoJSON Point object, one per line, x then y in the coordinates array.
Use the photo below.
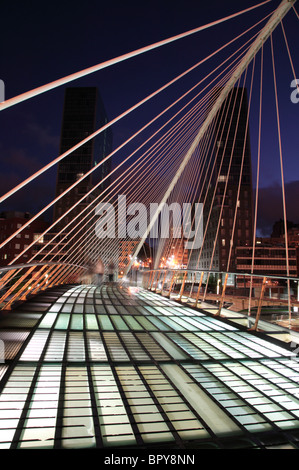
{"type": "Point", "coordinates": [74, 384]}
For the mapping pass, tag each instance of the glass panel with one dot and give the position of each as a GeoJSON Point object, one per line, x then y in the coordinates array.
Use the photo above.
{"type": "Point", "coordinates": [159, 324]}
{"type": "Point", "coordinates": [91, 322]}
{"type": "Point", "coordinates": [115, 424]}
{"type": "Point", "coordinates": [133, 323]}
{"type": "Point", "coordinates": [67, 308]}
{"type": "Point", "coordinates": [96, 348]}
{"type": "Point", "coordinates": [76, 322]}
{"type": "Point", "coordinates": [55, 350]}
{"type": "Point", "coordinates": [76, 347]}
{"type": "Point", "coordinates": [119, 322]}
{"type": "Point", "coordinates": [172, 323]}
{"type": "Point", "coordinates": [147, 323]}
{"type": "Point", "coordinates": [105, 323]}
{"type": "Point", "coordinates": [185, 324]}
{"type": "Point", "coordinates": [213, 415]}
{"type": "Point", "coordinates": [35, 346]}
{"type": "Point", "coordinates": [152, 423]}
{"type": "Point", "coordinates": [62, 322]}
{"type": "Point", "coordinates": [78, 308]}
{"type": "Point", "coordinates": [78, 428]}
{"type": "Point", "coordinates": [115, 349]}
{"type": "Point", "coordinates": [48, 320]}
{"type": "Point", "coordinates": [198, 324]}
{"type": "Point", "coordinates": [152, 347]}
{"type": "Point", "coordinates": [12, 401]}
{"type": "Point", "coordinates": [39, 426]}
{"type": "Point", "coordinates": [133, 347]}
{"type": "Point", "coordinates": [169, 346]}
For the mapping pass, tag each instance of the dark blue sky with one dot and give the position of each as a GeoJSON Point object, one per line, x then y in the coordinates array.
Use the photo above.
{"type": "Point", "coordinates": [44, 41]}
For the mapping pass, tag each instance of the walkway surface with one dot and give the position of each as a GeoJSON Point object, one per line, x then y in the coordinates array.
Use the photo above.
{"type": "Point", "coordinates": [116, 367]}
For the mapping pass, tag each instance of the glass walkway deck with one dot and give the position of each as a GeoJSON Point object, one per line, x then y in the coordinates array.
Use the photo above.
{"type": "Point", "coordinates": [114, 367]}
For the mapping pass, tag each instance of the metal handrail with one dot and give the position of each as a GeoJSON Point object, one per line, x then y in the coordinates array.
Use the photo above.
{"type": "Point", "coordinates": [151, 278]}
{"type": "Point", "coordinates": [20, 280]}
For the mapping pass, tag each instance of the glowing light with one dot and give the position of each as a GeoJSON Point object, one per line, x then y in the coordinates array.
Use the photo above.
{"type": "Point", "coordinates": [133, 290]}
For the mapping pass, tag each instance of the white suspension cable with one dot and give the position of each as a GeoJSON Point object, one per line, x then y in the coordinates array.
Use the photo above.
{"type": "Point", "coordinates": [82, 73]}
{"type": "Point", "coordinates": [118, 118]}
{"type": "Point", "coordinates": [281, 11]}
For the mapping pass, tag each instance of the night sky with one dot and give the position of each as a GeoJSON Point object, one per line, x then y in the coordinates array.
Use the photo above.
{"type": "Point", "coordinates": [44, 41]}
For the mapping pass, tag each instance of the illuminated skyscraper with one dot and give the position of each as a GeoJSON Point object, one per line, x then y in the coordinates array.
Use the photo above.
{"type": "Point", "coordinates": [83, 113]}
{"type": "Point", "coordinates": [227, 217]}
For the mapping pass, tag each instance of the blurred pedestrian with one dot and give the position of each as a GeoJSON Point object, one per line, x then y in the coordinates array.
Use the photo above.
{"type": "Point", "coordinates": [98, 270]}
{"type": "Point", "coordinates": [111, 269]}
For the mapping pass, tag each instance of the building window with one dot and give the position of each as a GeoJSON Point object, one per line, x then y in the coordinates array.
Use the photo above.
{"type": "Point", "coordinates": [222, 178]}
{"type": "Point", "coordinates": [36, 236]}
{"type": "Point", "coordinates": [17, 246]}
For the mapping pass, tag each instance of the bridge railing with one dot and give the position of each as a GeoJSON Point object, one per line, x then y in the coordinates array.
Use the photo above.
{"type": "Point", "coordinates": [254, 297]}
{"type": "Point", "coordinates": [18, 282]}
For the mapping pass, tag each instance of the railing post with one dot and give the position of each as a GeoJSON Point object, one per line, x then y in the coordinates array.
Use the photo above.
{"type": "Point", "coordinates": [259, 309]}
{"type": "Point", "coordinates": [52, 275]}
{"type": "Point", "coordinates": [56, 275]}
{"type": "Point", "coordinates": [13, 288]}
{"type": "Point", "coordinates": [206, 288]}
{"type": "Point", "coordinates": [164, 279]}
{"type": "Point", "coordinates": [62, 274]}
{"type": "Point", "coordinates": [5, 278]}
{"type": "Point", "coordinates": [34, 281]}
{"type": "Point", "coordinates": [171, 283]}
{"type": "Point", "coordinates": [199, 287]}
{"type": "Point", "coordinates": [152, 280]}
{"type": "Point", "coordinates": [222, 295]}
{"type": "Point", "coordinates": [158, 277]}
{"type": "Point", "coordinates": [183, 285]}
{"type": "Point", "coordinates": [149, 279]}
{"type": "Point", "coordinates": [192, 284]}
{"type": "Point", "coordinates": [43, 282]}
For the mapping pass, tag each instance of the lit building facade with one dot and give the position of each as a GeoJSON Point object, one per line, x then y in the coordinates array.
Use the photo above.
{"type": "Point", "coordinates": [270, 256]}
{"type": "Point", "coordinates": [10, 222]}
{"type": "Point", "coordinates": [83, 114]}
{"type": "Point", "coordinates": [233, 193]}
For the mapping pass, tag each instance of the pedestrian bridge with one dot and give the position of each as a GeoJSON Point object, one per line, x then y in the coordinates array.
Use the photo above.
{"type": "Point", "coordinates": [113, 365]}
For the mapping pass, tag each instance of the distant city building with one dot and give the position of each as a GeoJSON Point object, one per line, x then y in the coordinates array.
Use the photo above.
{"type": "Point", "coordinates": [278, 229]}
{"type": "Point", "coordinates": [83, 114]}
{"type": "Point", "coordinates": [229, 137]}
{"type": "Point", "coordinates": [50, 247]}
{"type": "Point", "coordinates": [268, 259]}
{"type": "Point", "coordinates": [10, 222]}
{"type": "Point", "coordinates": [270, 254]}
{"type": "Point", "coordinates": [175, 255]}
{"type": "Point", "coordinates": [126, 251]}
